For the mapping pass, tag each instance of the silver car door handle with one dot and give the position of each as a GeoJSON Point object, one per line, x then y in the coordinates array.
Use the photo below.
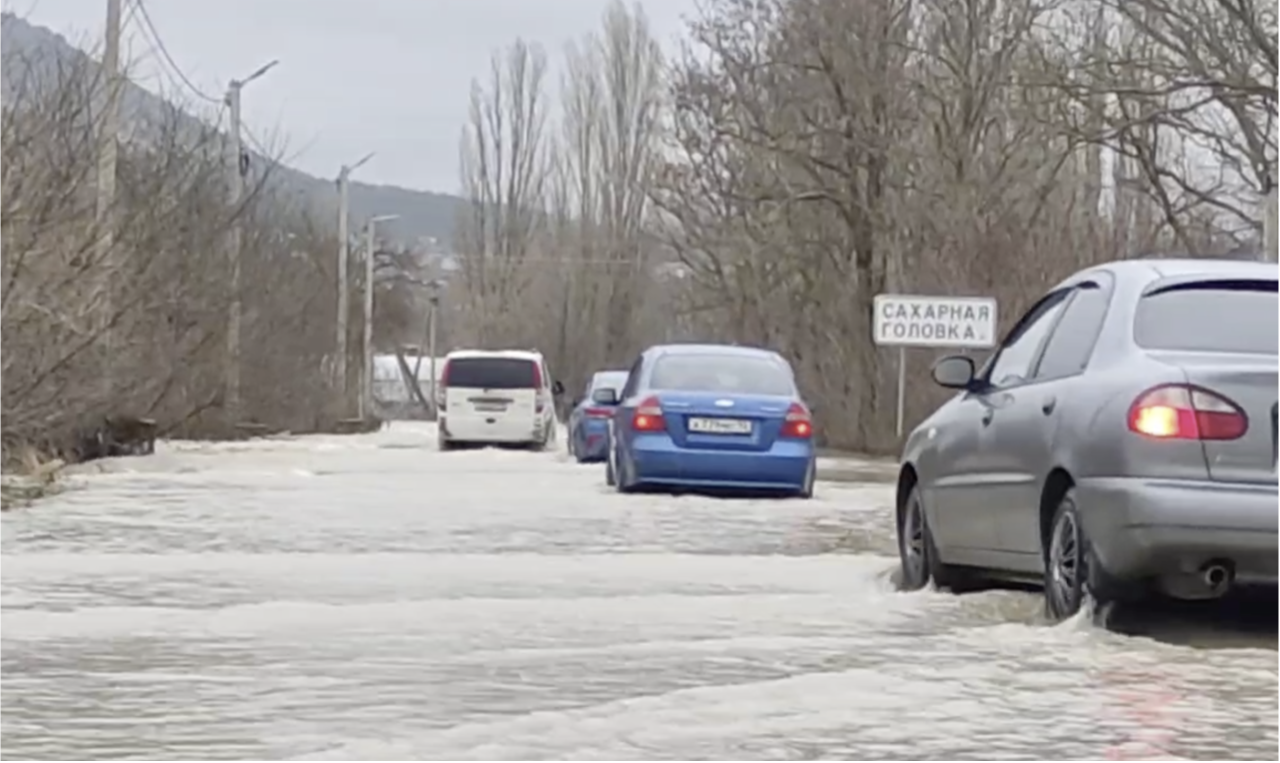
{"type": "Point", "coordinates": [987, 415]}
{"type": "Point", "coordinates": [1048, 405]}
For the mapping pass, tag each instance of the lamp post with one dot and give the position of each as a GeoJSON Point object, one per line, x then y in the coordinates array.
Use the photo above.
{"type": "Point", "coordinates": [433, 308]}
{"type": "Point", "coordinates": [235, 309]}
{"type": "Point", "coordinates": [344, 272]}
{"type": "Point", "coordinates": [370, 247]}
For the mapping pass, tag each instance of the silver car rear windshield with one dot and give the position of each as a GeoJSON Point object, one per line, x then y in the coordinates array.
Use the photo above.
{"type": "Point", "coordinates": [742, 374]}
{"type": "Point", "coordinates": [1210, 316]}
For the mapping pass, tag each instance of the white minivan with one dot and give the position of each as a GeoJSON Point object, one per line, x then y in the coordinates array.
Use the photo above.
{"type": "Point", "coordinates": [496, 398]}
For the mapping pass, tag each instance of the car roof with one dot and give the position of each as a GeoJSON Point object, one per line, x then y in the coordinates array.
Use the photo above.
{"type": "Point", "coordinates": [1151, 269]}
{"type": "Point", "coordinates": [532, 355]}
{"type": "Point", "coordinates": [712, 349]}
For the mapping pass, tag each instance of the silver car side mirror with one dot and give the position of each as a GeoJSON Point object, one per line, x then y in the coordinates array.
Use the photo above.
{"type": "Point", "coordinates": [955, 372]}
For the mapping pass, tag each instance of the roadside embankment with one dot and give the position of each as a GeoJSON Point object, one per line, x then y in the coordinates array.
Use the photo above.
{"type": "Point", "coordinates": [28, 476]}
{"type": "Point", "coordinates": [845, 466]}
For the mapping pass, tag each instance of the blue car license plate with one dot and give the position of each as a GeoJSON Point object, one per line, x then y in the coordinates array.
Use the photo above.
{"type": "Point", "coordinates": [719, 426]}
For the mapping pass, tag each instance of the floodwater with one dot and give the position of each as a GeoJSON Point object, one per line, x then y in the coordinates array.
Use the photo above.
{"type": "Point", "coordinates": [368, 598]}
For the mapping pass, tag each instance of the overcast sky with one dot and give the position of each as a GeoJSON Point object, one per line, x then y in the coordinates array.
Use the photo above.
{"type": "Point", "coordinates": [390, 76]}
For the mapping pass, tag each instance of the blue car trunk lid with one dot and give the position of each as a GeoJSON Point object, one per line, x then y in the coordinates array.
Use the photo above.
{"type": "Point", "coordinates": [703, 420]}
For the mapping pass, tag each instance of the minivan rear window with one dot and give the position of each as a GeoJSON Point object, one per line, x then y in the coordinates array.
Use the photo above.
{"type": "Point", "coordinates": [492, 373]}
{"type": "Point", "coordinates": [744, 374]}
{"type": "Point", "coordinates": [1210, 316]}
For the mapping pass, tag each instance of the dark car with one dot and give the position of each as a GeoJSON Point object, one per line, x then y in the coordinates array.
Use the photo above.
{"type": "Point", "coordinates": [1121, 441]}
{"type": "Point", "coordinates": [589, 419]}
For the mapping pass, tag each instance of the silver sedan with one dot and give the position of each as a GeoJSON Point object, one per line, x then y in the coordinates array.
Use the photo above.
{"type": "Point", "coordinates": [1121, 441]}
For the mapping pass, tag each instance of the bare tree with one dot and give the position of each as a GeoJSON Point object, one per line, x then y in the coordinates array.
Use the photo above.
{"type": "Point", "coordinates": [826, 152]}
{"type": "Point", "coordinates": [1184, 93]}
{"type": "Point", "coordinates": [164, 269]}
{"type": "Point", "coordinates": [504, 175]}
{"type": "Point", "coordinates": [627, 61]}
{"type": "Point", "coordinates": [806, 155]}
{"type": "Point", "coordinates": [577, 274]}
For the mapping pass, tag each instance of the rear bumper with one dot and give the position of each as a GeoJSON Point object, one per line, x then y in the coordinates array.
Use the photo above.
{"type": "Point", "coordinates": [1144, 527]}
{"type": "Point", "coordinates": [490, 431]}
{"type": "Point", "coordinates": [657, 461]}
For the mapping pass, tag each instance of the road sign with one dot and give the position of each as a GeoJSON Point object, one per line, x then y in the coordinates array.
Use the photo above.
{"type": "Point", "coordinates": [905, 320]}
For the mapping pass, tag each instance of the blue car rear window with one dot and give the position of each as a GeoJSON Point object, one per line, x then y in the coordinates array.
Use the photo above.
{"type": "Point", "coordinates": [743, 374]}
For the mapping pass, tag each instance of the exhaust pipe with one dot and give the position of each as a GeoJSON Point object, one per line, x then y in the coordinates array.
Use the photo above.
{"type": "Point", "coordinates": [1217, 577]}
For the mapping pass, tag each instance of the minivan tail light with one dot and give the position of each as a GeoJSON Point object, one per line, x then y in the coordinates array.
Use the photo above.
{"type": "Point", "coordinates": [598, 413]}
{"type": "Point", "coordinates": [648, 416]}
{"type": "Point", "coordinates": [798, 424]}
{"type": "Point", "coordinates": [1185, 412]}
{"type": "Point", "coordinates": [444, 375]}
{"type": "Point", "coordinates": [539, 404]}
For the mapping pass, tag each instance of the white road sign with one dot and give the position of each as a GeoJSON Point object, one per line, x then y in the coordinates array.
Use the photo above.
{"type": "Point", "coordinates": [904, 320]}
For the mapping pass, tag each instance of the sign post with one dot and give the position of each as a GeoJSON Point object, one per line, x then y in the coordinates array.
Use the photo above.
{"type": "Point", "coordinates": [904, 320]}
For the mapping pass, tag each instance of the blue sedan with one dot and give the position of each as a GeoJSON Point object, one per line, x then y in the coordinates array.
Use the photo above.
{"type": "Point", "coordinates": [711, 417]}
{"type": "Point", "coordinates": [589, 419]}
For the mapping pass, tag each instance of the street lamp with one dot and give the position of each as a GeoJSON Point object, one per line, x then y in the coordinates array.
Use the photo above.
{"type": "Point", "coordinates": [344, 265]}
{"type": "Point", "coordinates": [370, 243]}
{"type": "Point", "coordinates": [433, 307]}
{"type": "Point", "coordinates": [238, 170]}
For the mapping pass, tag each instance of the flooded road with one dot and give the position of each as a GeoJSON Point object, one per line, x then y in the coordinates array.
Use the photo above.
{"type": "Point", "coordinates": [367, 598]}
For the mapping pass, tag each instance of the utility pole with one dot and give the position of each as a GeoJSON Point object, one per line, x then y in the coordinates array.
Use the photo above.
{"type": "Point", "coordinates": [110, 116]}
{"type": "Point", "coordinates": [344, 266]}
{"type": "Point", "coordinates": [366, 378]}
{"type": "Point", "coordinates": [1270, 232]}
{"type": "Point", "coordinates": [235, 306]}
{"type": "Point", "coordinates": [108, 154]}
{"type": "Point", "coordinates": [433, 308]}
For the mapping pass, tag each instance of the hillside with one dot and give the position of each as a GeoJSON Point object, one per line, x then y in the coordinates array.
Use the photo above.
{"type": "Point", "coordinates": [422, 213]}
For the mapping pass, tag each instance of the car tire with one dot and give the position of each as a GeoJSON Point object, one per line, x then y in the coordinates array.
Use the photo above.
{"type": "Point", "coordinates": [621, 480]}
{"type": "Point", "coordinates": [810, 477]}
{"type": "Point", "coordinates": [918, 553]}
{"type": "Point", "coordinates": [444, 445]}
{"type": "Point", "coordinates": [1073, 576]}
{"type": "Point", "coordinates": [540, 444]}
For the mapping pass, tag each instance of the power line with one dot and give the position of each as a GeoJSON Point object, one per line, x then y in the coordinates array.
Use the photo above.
{"type": "Point", "coordinates": [163, 50]}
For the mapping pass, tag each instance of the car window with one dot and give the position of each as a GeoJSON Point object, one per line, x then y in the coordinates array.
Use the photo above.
{"type": "Point", "coordinates": [1071, 345]}
{"type": "Point", "coordinates": [493, 373]}
{"type": "Point", "coordinates": [1012, 364]}
{"type": "Point", "coordinates": [744, 374]}
{"type": "Point", "coordinates": [607, 380]}
{"type": "Point", "coordinates": [1210, 316]}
